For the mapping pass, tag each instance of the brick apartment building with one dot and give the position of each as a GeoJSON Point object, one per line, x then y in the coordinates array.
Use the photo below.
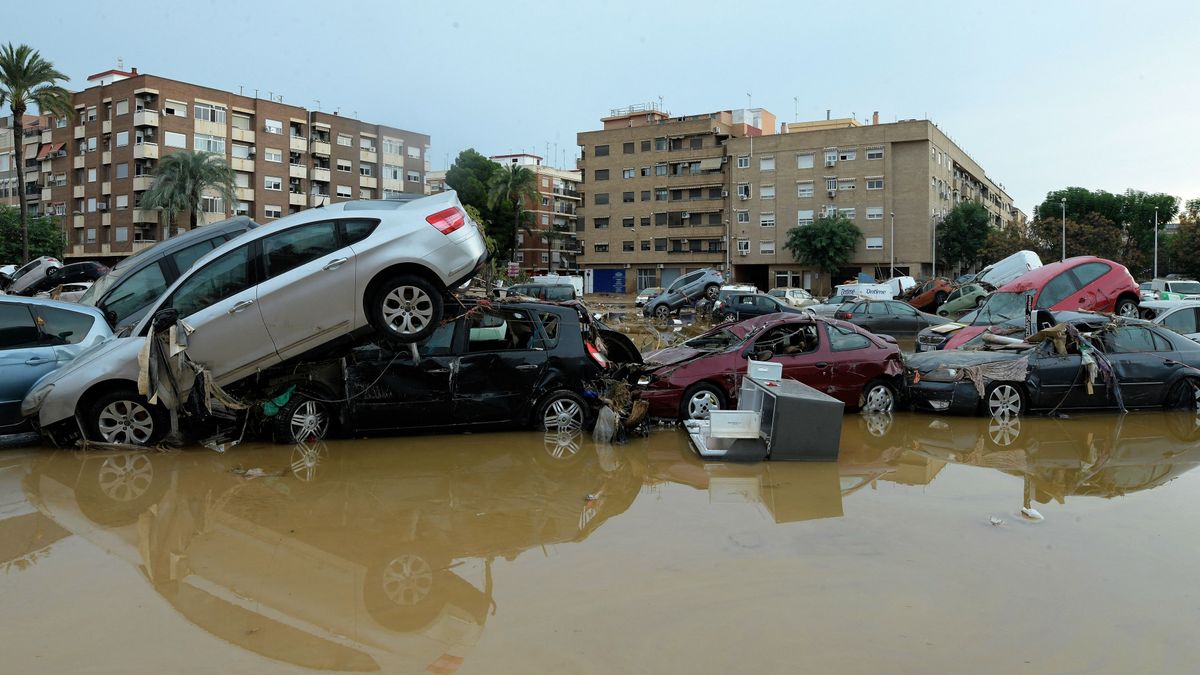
{"type": "Point", "coordinates": [550, 246]}
{"type": "Point", "coordinates": [664, 194]}
{"type": "Point", "coordinates": [92, 170]}
{"type": "Point", "coordinates": [10, 189]}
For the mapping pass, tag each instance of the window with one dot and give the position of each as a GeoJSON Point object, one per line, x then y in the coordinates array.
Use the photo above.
{"type": "Point", "coordinates": [272, 155]}
{"type": "Point", "coordinates": [645, 171]}
{"type": "Point", "coordinates": [601, 151]}
{"type": "Point", "coordinates": [241, 121]}
{"type": "Point", "coordinates": [874, 243]}
{"type": "Point", "coordinates": [90, 236]}
{"type": "Point", "coordinates": [91, 144]}
{"type": "Point", "coordinates": [601, 174]}
{"type": "Point", "coordinates": [209, 113]}
{"type": "Point", "coordinates": [174, 140]}
{"type": "Point", "coordinates": [59, 326]}
{"type": "Point", "coordinates": [91, 173]}
{"type": "Point", "coordinates": [766, 219]}
{"type": "Point", "coordinates": [240, 151]}
{"type": "Point", "coordinates": [241, 208]}
{"type": "Point", "coordinates": [845, 339]}
{"type": "Point", "coordinates": [831, 156]}
{"type": "Point", "coordinates": [391, 146]}
{"type": "Point", "coordinates": [660, 143]}
{"type": "Point", "coordinates": [767, 191]}
{"type": "Point", "coordinates": [831, 183]}
{"type": "Point", "coordinates": [1129, 339]}
{"type": "Point", "coordinates": [874, 213]}
{"type": "Point", "coordinates": [660, 169]}
{"type": "Point", "coordinates": [645, 195]}
{"type": "Point", "coordinates": [501, 329]}
{"type": "Point", "coordinates": [273, 126]}
{"type": "Point", "coordinates": [206, 143]}
{"type": "Point", "coordinates": [875, 183]}
{"type": "Point", "coordinates": [644, 221]}
{"type": "Point", "coordinates": [1182, 321]}
{"type": "Point", "coordinates": [743, 191]}
{"type": "Point", "coordinates": [848, 214]}
{"type": "Point", "coordinates": [122, 202]}
{"type": "Point", "coordinates": [393, 172]}
{"type": "Point", "coordinates": [344, 165]}
{"type": "Point", "coordinates": [628, 173]}
{"type": "Point", "coordinates": [366, 170]}
{"type": "Point", "coordinates": [292, 248]}
{"type": "Point", "coordinates": [270, 211]}
{"type": "Point", "coordinates": [627, 246]}
{"type": "Point", "coordinates": [90, 115]}
{"type": "Point", "coordinates": [413, 151]}
{"type": "Point", "coordinates": [628, 148]}
{"type": "Point", "coordinates": [645, 146]}
{"type": "Point", "coordinates": [743, 216]}
{"type": "Point", "coordinates": [345, 140]}
{"type": "Point", "coordinates": [413, 176]}
{"type": "Point", "coordinates": [660, 244]}
{"type": "Point", "coordinates": [224, 277]}
{"type": "Point", "coordinates": [847, 155]}
{"type": "Point", "coordinates": [600, 248]}
{"type": "Point", "coordinates": [344, 191]}
{"type": "Point", "coordinates": [766, 163]}
{"type": "Point", "coordinates": [627, 221]}
{"type": "Point", "coordinates": [804, 217]}
{"type": "Point", "coordinates": [845, 184]}
{"type": "Point", "coordinates": [122, 107]}
{"type": "Point", "coordinates": [743, 161]}
{"type": "Point", "coordinates": [767, 247]}
{"type": "Point", "coordinates": [1089, 272]}
{"type": "Point", "coordinates": [600, 198]}
{"type": "Point", "coordinates": [272, 183]}
{"type": "Point", "coordinates": [600, 223]}
{"type": "Point", "coordinates": [804, 160]}
{"type": "Point", "coordinates": [176, 108]}
{"type": "Point", "coordinates": [1056, 290]}
{"type": "Point", "coordinates": [804, 189]}
{"type": "Point", "coordinates": [212, 204]}
{"type": "Point", "coordinates": [627, 197]}
{"type": "Point", "coordinates": [660, 194]}
{"type": "Point", "coordinates": [121, 234]}
{"type": "Point", "coordinates": [122, 139]}
{"type": "Point", "coordinates": [874, 153]}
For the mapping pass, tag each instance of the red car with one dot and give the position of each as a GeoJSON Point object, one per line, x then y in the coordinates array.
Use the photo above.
{"type": "Point", "coordinates": [1084, 283]}
{"type": "Point", "coordinates": [860, 369]}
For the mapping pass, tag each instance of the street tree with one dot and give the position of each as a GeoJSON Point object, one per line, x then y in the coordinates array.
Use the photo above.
{"type": "Point", "coordinates": [962, 234]}
{"type": "Point", "coordinates": [1183, 247]}
{"type": "Point", "coordinates": [1089, 234]}
{"type": "Point", "coordinates": [45, 236]}
{"type": "Point", "coordinates": [26, 79]}
{"type": "Point", "coordinates": [512, 185]}
{"type": "Point", "coordinates": [180, 181]}
{"type": "Point", "coordinates": [469, 176]}
{"type": "Point", "coordinates": [828, 244]}
{"type": "Point", "coordinates": [1002, 242]}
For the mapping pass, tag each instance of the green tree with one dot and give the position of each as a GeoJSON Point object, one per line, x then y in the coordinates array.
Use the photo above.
{"type": "Point", "coordinates": [45, 236]}
{"type": "Point", "coordinates": [513, 185]}
{"type": "Point", "coordinates": [1089, 234]}
{"type": "Point", "coordinates": [1183, 247]}
{"type": "Point", "coordinates": [181, 179]}
{"type": "Point", "coordinates": [1137, 214]}
{"type": "Point", "coordinates": [469, 176]}
{"type": "Point", "coordinates": [1132, 212]}
{"type": "Point", "coordinates": [962, 234]}
{"type": "Point", "coordinates": [1002, 242]}
{"type": "Point", "coordinates": [828, 244]}
{"type": "Point", "coordinates": [27, 79]}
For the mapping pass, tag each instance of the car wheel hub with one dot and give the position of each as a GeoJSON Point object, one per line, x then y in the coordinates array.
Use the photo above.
{"type": "Point", "coordinates": [879, 399]}
{"type": "Point", "coordinates": [125, 422]}
{"type": "Point", "coordinates": [407, 580]}
{"type": "Point", "coordinates": [701, 404]}
{"type": "Point", "coordinates": [407, 309]}
{"type": "Point", "coordinates": [308, 422]}
{"type": "Point", "coordinates": [563, 415]}
{"type": "Point", "coordinates": [1004, 401]}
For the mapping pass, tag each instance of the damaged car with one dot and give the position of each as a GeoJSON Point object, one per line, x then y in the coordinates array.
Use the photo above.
{"type": "Point", "coordinates": [840, 359]}
{"type": "Point", "coordinates": [1085, 361]}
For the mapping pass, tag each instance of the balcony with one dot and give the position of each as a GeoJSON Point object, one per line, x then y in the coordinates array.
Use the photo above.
{"type": "Point", "coordinates": [393, 184]}
{"type": "Point", "coordinates": [77, 192]}
{"type": "Point", "coordinates": [241, 164]}
{"type": "Point", "coordinates": [296, 199]}
{"type": "Point", "coordinates": [243, 135]}
{"type": "Point", "coordinates": [320, 174]}
{"type": "Point", "coordinates": [106, 219]}
{"type": "Point", "coordinates": [145, 118]}
{"type": "Point", "coordinates": [244, 194]}
{"type": "Point", "coordinates": [141, 183]}
{"type": "Point", "coordinates": [319, 147]}
{"type": "Point", "coordinates": [46, 194]}
{"type": "Point", "coordinates": [145, 216]}
{"type": "Point", "coordinates": [368, 182]}
{"type": "Point", "coordinates": [298, 171]}
{"type": "Point", "coordinates": [77, 220]}
{"type": "Point", "coordinates": [715, 179]}
{"type": "Point", "coordinates": [106, 127]}
{"type": "Point", "coordinates": [143, 244]}
{"type": "Point", "coordinates": [47, 136]}
{"type": "Point", "coordinates": [106, 188]}
{"type": "Point", "coordinates": [106, 157]}
{"type": "Point", "coordinates": [80, 132]}
{"type": "Point", "coordinates": [145, 150]}
{"type": "Point", "coordinates": [368, 156]}
{"type": "Point", "coordinates": [298, 144]}
{"type": "Point", "coordinates": [566, 192]}
{"type": "Point", "coordinates": [77, 162]}
{"type": "Point", "coordinates": [319, 200]}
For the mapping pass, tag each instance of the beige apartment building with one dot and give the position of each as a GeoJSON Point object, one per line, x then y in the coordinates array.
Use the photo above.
{"type": "Point", "coordinates": [10, 188]}
{"type": "Point", "coordinates": [551, 245]}
{"type": "Point", "coordinates": [655, 194]}
{"type": "Point", "coordinates": [95, 168]}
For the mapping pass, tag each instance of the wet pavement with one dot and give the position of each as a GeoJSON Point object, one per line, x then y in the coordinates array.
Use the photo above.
{"type": "Point", "coordinates": [520, 552]}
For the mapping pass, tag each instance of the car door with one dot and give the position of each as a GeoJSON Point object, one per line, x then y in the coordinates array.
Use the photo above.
{"type": "Point", "coordinates": [744, 307]}
{"type": "Point", "coordinates": [849, 363]}
{"type": "Point", "coordinates": [64, 330]}
{"type": "Point", "coordinates": [1091, 295]}
{"type": "Point", "coordinates": [307, 295]}
{"type": "Point", "coordinates": [389, 390]}
{"type": "Point", "coordinates": [502, 361]}
{"type": "Point", "coordinates": [1055, 381]}
{"type": "Point", "coordinates": [218, 302]}
{"type": "Point", "coordinates": [1139, 359]}
{"type": "Point", "coordinates": [800, 350]}
{"type": "Point", "coordinates": [875, 317]}
{"type": "Point", "coordinates": [905, 320]}
{"type": "Point", "coordinates": [23, 359]}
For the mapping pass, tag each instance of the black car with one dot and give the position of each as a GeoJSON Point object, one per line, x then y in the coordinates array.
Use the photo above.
{"type": "Point", "coordinates": [499, 363]}
{"type": "Point", "coordinates": [68, 274]}
{"type": "Point", "coordinates": [887, 317]}
{"type": "Point", "coordinates": [739, 306]}
{"type": "Point", "coordinates": [1152, 366]}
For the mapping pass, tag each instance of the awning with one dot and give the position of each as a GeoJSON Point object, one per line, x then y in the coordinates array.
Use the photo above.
{"type": "Point", "coordinates": [48, 149]}
{"type": "Point", "coordinates": [711, 164]}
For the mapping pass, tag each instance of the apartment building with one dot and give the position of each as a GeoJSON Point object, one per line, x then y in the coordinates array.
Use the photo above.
{"type": "Point", "coordinates": [868, 173]}
{"type": "Point", "coordinates": [10, 188]}
{"type": "Point", "coordinates": [286, 158]}
{"type": "Point", "coordinates": [551, 246]}
{"type": "Point", "coordinates": [655, 194]}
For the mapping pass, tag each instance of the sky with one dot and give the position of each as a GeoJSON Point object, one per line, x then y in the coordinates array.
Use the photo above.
{"type": "Point", "coordinates": [1043, 95]}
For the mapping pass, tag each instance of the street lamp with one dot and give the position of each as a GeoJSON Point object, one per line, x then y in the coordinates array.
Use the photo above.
{"type": "Point", "coordinates": [1064, 228]}
{"type": "Point", "coordinates": [1156, 242]}
{"type": "Point", "coordinates": [892, 248]}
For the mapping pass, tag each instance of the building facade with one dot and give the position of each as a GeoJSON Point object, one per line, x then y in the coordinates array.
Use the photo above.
{"type": "Point", "coordinates": [551, 246]}
{"type": "Point", "coordinates": [95, 168]}
{"type": "Point", "coordinates": [35, 127]}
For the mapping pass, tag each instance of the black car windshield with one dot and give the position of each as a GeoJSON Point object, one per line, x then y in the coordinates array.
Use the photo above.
{"type": "Point", "coordinates": [1000, 307]}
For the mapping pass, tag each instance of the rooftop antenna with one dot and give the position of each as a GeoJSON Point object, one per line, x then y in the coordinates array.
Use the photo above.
{"type": "Point", "coordinates": [318, 102]}
{"type": "Point", "coordinates": [256, 92]}
{"type": "Point", "coordinates": [120, 63]}
{"type": "Point", "coordinates": [796, 107]}
{"type": "Point", "coordinates": [240, 91]}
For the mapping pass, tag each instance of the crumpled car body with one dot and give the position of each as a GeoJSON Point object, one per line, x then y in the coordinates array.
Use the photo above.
{"type": "Point", "coordinates": [929, 295]}
{"type": "Point", "coordinates": [684, 291]}
{"type": "Point", "coordinates": [964, 299]}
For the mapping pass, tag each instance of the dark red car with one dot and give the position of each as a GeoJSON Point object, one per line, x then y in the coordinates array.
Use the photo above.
{"type": "Point", "coordinates": [841, 359]}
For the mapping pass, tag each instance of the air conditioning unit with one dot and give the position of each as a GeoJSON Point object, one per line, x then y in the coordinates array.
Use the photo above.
{"type": "Point", "coordinates": [683, 241]}
{"type": "Point", "coordinates": [716, 130]}
{"type": "Point", "coordinates": [626, 265]}
{"type": "Point", "coordinates": [660, 266]}
{"type": "Point", "coordinates": [741, 252]}
{"type": "Point", "coordinates": [830, 162]}
{"type": "Point", "coordinates": [685, 214]}
{"type": "Point", "coordinates": [101, 206]}
{"type": "Point", "coordinates": [250, 155]}
{"type": "Point", "coordinates": [724, 193]}
{"type": "Point", "coordinates": [832, 194]}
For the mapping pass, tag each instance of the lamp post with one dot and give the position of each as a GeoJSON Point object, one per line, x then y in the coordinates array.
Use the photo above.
{"type": "Point", "coordinates": [934, 275]}
{"type": "Point", "coordinates": [1156, 242]}
{"type": "Point", "coordinates": [892, 248]}
{"type": "Point", "coordinates": [1064, 228]}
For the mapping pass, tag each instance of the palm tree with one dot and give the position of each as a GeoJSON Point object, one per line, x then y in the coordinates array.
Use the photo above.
{"type": "Point", "coordinates": [28, 79]}
{"type": "Point", "coordinates": [180, 181]}
{"type": "Point", "coordinates": [513, 183]}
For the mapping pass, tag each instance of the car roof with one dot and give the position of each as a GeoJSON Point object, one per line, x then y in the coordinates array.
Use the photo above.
{"type": "Point", "coordinates": [169, 246]}
{"type": "Point", "coordinates": [1036, 278]}
{"type": "Point", "coordinates": [56, 304]}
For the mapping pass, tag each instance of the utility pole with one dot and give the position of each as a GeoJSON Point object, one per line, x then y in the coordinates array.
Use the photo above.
{"type": "Point", "coordinates": [1064, 228]}
{"type": "Point", "coordinates": [892, 248]}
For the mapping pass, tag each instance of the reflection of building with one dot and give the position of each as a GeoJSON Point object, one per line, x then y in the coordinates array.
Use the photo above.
{"type": "Point", "coordinates": [550, 245]}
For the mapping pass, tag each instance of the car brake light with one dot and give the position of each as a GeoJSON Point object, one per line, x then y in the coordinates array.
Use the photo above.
{"type": "Point", "coordinates": [844, 316]}
{"type": "Point", "coordinates": [597, 355]}
{"type": "Point", "coordinates": [448, 220]}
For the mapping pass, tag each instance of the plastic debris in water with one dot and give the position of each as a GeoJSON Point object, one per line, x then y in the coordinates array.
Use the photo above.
{"type": "Point", "coordinates": [997, 521]}
{"type": "Point", "coordinates": [1032, 514]}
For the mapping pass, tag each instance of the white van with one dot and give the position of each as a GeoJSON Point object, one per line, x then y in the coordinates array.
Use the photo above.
{"type": "Point", "coordinates": [1009, 269]}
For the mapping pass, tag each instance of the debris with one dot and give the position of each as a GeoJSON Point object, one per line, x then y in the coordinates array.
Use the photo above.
{"type": "Point", "coordinates": [1031, 513]}
{"type": "Point", "coordinates": [606, 425]}
{"type": "Point", "coordinates": [997, 522]}
{"type": "Point", "coordinates": [257, 473]}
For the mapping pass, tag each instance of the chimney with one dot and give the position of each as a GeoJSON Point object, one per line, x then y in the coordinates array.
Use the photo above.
{"type": "Point", "coordinates": [875, 117]}
{"type": "Point", "coordinates": [133, 70]}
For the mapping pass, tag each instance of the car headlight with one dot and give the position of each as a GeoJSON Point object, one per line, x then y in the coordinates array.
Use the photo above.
{"type": "Point", "coordinates": [942, 375]}
{"type": "Point", "coordinates": [33, 400]}
{"type": "Point", "coordinates": [644, 380]}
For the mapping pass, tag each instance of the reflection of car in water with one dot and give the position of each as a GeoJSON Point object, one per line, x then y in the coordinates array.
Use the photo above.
{"type": "Point", "coordinates": [364, 559]}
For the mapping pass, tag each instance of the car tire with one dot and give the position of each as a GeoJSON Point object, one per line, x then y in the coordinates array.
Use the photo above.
{"type": "Point", "coordinates": [52, 272]}
{"type": "Point", "coordinates": [877, 397]}
{"type": "Point", "coordinates": [561, 411]}
{"type": "Point", "coordinates": [1126, 308]}
{"type": "Point", "coordinates": [661, 312]}
{"type": "Point", "coordinates": [980, 300]}
{"type": "Point", "coordinates": [303, 419]}
{"type": "Point", "coordinates": [1184, 395]}
{"type": "Point", "coordinates": [405, 308]}
{"type": "Point", "coordinates": [1004, 399]}
{"type": "Point", "coordinates": [711, 291]}
{"type": "Point", "coordinates": [699, 399]}
{"type": "Point", "coordinates": [125, 416]}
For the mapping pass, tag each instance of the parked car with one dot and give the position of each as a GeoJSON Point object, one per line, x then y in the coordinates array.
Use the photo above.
{"type": "Point", "coordinates": [829, 306]}
{"type": "Point", "coordinates": [646, 294]}
{"type": "Point", "coordinates": [66, 292]}
{"type": "Point", "coordinates": [841, 359]}
{"type": "Point", "coordinates": [1181, 316]}
{"type": "Point", "coordinates": [964, 299]}
{"type": "Point", "coordinates": [685, 291]}
{"type": "Point", "coordinates": [36, 337]}
{"type": "Point", "coordinates": [1154, 367]}
{"type": "Point", "coordinates": [796, 297]}
{"type": "Point", "coordinates": [1175, 289]}
{"type": "Point", "coordinates": [552, 292]}
{"type": "Point", "coordinates": [73, 273]}
{"type": "Point", "coordinates": [741, 305]}
{"type": "Point", "coordinates": [929, 295]}
{"type": "Point", "coordinates": [1082, 283]}
{"type": "Point", "coordinates": [1147, 291]}
{"type": "Point", "coordinates": [887, 317]}
{"type": "Point", "coordinates": [128, 290]}
{"type": "Point", "coordinates": [507, 363]}
{"type": "Point", "coordinates": [31, 273]}
{"type": "Point", "coordinates": [308, 279]}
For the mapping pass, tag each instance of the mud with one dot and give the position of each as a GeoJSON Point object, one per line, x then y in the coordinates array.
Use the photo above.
{"type": "Point", "coordinates": [522, 552]}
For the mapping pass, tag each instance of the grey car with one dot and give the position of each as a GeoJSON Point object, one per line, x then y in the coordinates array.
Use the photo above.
{"type": "Point", "coordinates": [31, 273]}
{"type": "Point", "coordinates": [888, 317]}
{"type": "Point", "coordinates": [126, 292]}
{"type": "Point", "coordinates": [685, 291]}
{"type": "Point", "coordinates": [38, 336]}
{"type": "Point", "coordinates": [279, 292]}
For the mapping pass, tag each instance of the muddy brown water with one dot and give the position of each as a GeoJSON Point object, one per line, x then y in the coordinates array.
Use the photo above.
{"type": "Point", "coordinates": [521, 552]}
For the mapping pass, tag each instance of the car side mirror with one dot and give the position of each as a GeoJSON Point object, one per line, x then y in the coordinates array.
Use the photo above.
{"type": "Point", "coordinates": [165, 318]}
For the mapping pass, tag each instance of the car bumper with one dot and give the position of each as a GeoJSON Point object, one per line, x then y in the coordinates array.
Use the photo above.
{"type": "Point", "coordinates": [663, 402]}
{"type": "Point", "coordinates": [944, 397]}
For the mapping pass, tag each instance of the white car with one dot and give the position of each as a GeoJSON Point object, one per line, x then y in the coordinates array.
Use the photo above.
{"type": "Point", "coordinates": [796, 297]}
{"type": "Point", "coordinates": [272, 294]}
{"type": "Point", "coordinates": [1181, 316]}
{"type": "Point", "coordinates": [32, 272]}
{"type": "Point", "coordinates": [67, 292]}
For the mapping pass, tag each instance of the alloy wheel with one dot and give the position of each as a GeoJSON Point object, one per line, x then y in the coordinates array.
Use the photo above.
{"type": "Point", "coordinates": [125, 421]}
{"type": "Point", "coordinates": [407, 579]}
{"type": "Point", "coordinates": [407, 309]}
{"type": "Point", "coordinates": [309, 422]}
{"type": "Point", "coordinates": [879, 399]}
{"type": "Point", "coordinates": [1004, 401]}
{"type": "Point", "coordinates": [1128, 310]}
{"type": "Point", "coordinates": [662, 312]}
{"type": "Point", "coordinates": [563, 415]}
{"type": "Point", "coordinates": [701, 404]}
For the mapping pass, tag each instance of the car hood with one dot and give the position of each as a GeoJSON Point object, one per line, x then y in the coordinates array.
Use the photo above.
{"type": "Point", "coordinates": [927, 361]}
{"type": "Point", "coordinates": [672, 356]}
{"type": "Point", "coordinates": [93, 354]}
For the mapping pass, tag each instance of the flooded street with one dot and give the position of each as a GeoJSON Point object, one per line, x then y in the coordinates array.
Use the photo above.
{"type": "Point", "coordinates": [519, 552]}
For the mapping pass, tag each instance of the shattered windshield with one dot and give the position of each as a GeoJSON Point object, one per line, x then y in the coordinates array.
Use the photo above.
{"type": "Point", "coordinates": [716, 341]}
{"type": "Point", "coordinates": [1001, 307]}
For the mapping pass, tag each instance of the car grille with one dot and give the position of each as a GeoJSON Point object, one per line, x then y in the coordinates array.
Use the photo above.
{"type": "Point", "coordinates": [932, 340]}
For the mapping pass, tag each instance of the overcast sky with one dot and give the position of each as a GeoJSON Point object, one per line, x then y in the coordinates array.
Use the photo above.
{"type": "Point", "coordinates": [1041, 94]}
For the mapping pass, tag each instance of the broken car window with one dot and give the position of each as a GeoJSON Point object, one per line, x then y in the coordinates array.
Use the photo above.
{"type": "Point", "coordinates": [64, 327]}
{"type": "Point", "coordinates": [500, 329]}
{"type": "Point", "coordinates": [841, 340]}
